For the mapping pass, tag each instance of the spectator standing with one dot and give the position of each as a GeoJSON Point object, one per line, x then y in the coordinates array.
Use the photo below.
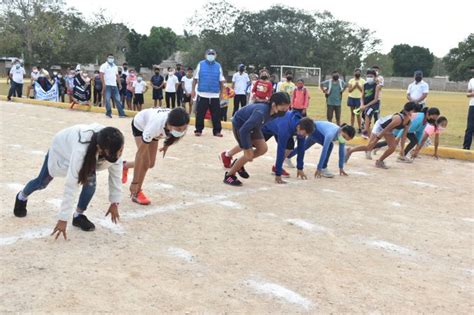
{"type": "Point", "coordinates": [97, 89]}
{"type": "Point", "coordinates": [109, 77]}
{"type": "Point", "coordinates": [171, 86]}
{"type": "Point", "coordinates": [17, 73]}
{"type": "Point", "coordinates": [333, 89]}
{"type": "Point", "coordinates": [157, 82]}
{"type": "Point", "coordinates": [470, 115]}
{"type": "Point", "coordinates": [418, 91]}
{"type": "Point", "coordinates": [300, 98]}
{"type": "Point", "coordinates": [187, 86]}
{"type": "Point", "coordinates": [240, 81]}
{"type": "Point", "coordinates": [355, 87]}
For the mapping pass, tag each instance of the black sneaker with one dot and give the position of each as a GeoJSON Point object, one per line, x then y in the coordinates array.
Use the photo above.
{"type": "Point", "coordinates": [232, 180]}
{"type": "Point", "coordinates": [242, 172]}
{"type": "Point", "coordinates": [20, 207]}
{"type": "Point", "coordinates": [83, 222]}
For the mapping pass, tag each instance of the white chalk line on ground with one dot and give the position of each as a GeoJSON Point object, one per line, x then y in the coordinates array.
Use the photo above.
{"type": "Point", "coordinates": [389, 247]}
{"type": "Point", "coordinates": [108, 224]}
{"type": "Point", "coordinates": [395, 204]}
{"type": "Point", "coordinates": [329, 191]}
{"type": "Point", "coordinates": [359, 173]}
{"type": "Point", "coordinates": [423, 184]}
{"type": "Point", "coordinates": [55, 202]}
{"type": "Point", "coordinates": [181, 253]}
{"type": "Point", "coordinates": [468, 220]}
{"type": "Point", "coordinates": [231, 204]}
{"type": "Point", "coordinates": [308, 226]}
{"type": "Point", "coordinates": [27, 235]}
{"type": "Point", "coordinates": [163, 186]}
{"type": "Point", "coordinates": [281, 293]}
{"type": "Point", "coordinates": [14, 186]}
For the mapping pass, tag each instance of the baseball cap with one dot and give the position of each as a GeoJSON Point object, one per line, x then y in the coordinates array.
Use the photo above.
{"type": "Point", "coordinates": [210, 51]}
{"type": "Point", "coordinates": [418, 73]}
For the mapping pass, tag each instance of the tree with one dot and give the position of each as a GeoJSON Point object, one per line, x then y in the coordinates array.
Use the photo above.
{"type": "Point", "coordinates": [439, 68]}
{"type": "Point", "coordinates": [385, 62]}
{"type": "Point", "coordinates": [408, 59]}
{"type": "Point", "coordinates": [459, 59]}
{"type": "Point", "coordinates": [218, 16]}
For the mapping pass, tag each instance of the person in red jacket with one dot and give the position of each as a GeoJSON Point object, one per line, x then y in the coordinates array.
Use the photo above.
{"type": "Point", "coordinates": [300, 98]}
{"type": "Point", "coordinates": [262, 89]}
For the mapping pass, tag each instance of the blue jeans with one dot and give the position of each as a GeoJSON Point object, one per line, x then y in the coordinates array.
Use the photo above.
{"type": "Point", "coordinates": [469, 129]}
{"type": "Point", "coordinates": [44, 178]}
{"type": "Point", "coordinates": [112, 91]}
{"type": "Point", "coordinates": [16, 89]}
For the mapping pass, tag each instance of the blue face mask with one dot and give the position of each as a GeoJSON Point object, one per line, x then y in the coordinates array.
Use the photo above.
{"type": "Point", "coordinates": [211, 58]}
{"type": "Point", "coordinates": [17, 66]}
{"type": "Point", "coordinates": [177, 134]}
{"type": "Point", "coordinates": [110, 60]}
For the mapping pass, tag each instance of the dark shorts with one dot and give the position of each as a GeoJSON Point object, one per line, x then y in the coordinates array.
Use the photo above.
{"type": "Point", "coordinates": [157, 94]}
{"type": "Point", "coordinates": [290, 145]}
{"type": "Point", "coordinates": [353, 102]}
{"type": "Point", "coordinates": [255, 134]}
{"type": "Point", "coordinates": [372, 110]}
{"type": "Point", "coordinates": [138, 133]}
{"type": "Point", "coordinates": [186, 99]}
{"type": "Point", "coordinates": [129, 95]}
{"type": "Point", "coordinates": [138, 99]}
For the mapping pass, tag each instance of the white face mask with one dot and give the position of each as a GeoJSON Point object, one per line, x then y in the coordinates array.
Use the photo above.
{"type": "Point", "coordinates": [211, 58]}
{"type": "Point", "coordinates": [177, 134]}
{"type": "Point", "coordinates": [110, 60]}
{"type": "Point", "coordinates": [370, 80]}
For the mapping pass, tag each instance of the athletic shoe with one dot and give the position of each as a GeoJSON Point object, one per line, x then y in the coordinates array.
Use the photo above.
{"type": "Point", "coordinates": [289, 163]}
{"type": "Point", "coordinates": [374, 151]}
{"type": "Point", "coordinates": [123, 116]}
{"type": "Point", "coordinates": [284, 173]}
{"type": "Point", "coordinates": [141, 199]}
{"type": "Point", "coordinates": [197, 134]}
{"type": "Point", "coordinates": [368, 155]}
{"type": "Point", "coordinates": [124, 173]}
{"type": "Point", "coordinates": [232, 180]}
{"type": "Point", "coordinates": [20, 207]}
{"type": "Point", "coordinates": [81, 221]}
{"type": "Point", "coordinates": [219, 135]}
{"type": "Point", "coordinates": [242, 172]}
{"type": "Point", "coordinates": [326, 173]}
{"type": "Point", "coordinates": [359, 131]}
{"type": "Point", "coordinates": [226, 160]}
{"type": "Point", "coordinates": [404, 160]}
{"type": "Point", "coordinates": [381, 164]}
{"type": "Point", "coordinates": [109, 116]}
{"type": "Point", "coordinates": [365, 134]}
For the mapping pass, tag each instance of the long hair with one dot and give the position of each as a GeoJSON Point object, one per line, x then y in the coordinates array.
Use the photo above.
{"type": "Point", "coordinates": [110, 139]}
{"type": "Point", "coordinates": [178, 117]}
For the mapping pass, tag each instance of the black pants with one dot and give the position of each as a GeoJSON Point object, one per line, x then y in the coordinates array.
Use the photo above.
{"type": "Point", "coordinates": [170, 97]}
{"type": "Point", "coordinates": [224, 113]}
{"type": "Point", "coordinates": [213, 104]}
{"type": "Point", "coordinates": [410, 136]}
{"type": "Point", "coordinates": [334, 109]}
{"type": "Point", "coordinates": [179, 95]}
{"type": "Point", "coordinates": [469, 129]}
{"type": "Point", "coordinates": [16, 89]}
{"type": "Point", "coordinates": [98, 96]}
{"type": "Point", "coordinates": [239, 100]}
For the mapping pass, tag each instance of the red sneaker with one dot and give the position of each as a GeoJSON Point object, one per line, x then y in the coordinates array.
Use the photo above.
{"type": "Point", "coordinates": [124, 173]}
{"type": "Point", "coordinates": [227, 160]}
{"type": "Point", "coordinates": [141, 199]}
{"type": "Point", "coordinates": [283, 172]}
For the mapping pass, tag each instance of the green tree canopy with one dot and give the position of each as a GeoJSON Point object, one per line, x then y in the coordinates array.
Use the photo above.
{"type": "Point", "coordinates": [459, 59]}
{"type": "Point", "coordinates": [407, 59]}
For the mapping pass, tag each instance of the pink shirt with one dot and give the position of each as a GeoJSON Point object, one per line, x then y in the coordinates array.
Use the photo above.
{"type": "Point", "coordinates": [431, 130]}
{"type": "Point", "coordinates": [300, 98]}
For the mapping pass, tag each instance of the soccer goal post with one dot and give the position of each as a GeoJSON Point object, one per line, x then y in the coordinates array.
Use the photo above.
{"type": "Point", "coordinates": [310, 75]}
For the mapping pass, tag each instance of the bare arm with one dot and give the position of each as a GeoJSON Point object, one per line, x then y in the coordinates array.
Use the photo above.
{"type": "Point", "coordinates": [436, 144]}
{"type": "Point", "coordinates": [396, 120]}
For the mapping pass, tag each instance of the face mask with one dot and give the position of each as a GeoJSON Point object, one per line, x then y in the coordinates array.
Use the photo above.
{"type": "Point", "coordinates": [176, 133]}
{"type": "Point", "coordinates": [264, 77]}
{"type": "Point", "coordinates": [111, 159]}
{"type": "Point", "coordinates": [289, 78]}
{"type": "Point", "coordinates": [55, 73]}
{"type": "Point", "coordinates": [341, 139]}
{"type": "Point", "coordinates": [357, 75]}
{"type": "Point", "coordinates": [60, 76]}
{"type": "Point", "coordinates": [110, 60]}
{"type": "Point", "coordinates": [431, 121]}
{"type": "Point", "coordinates": [418, 79]}
{"type": "Point", "coordinates": [85, 75]}
{"type": "Point", "coordinates": [211, 58]}
{"type": "Point", "coordinates": [241, 69]}
{"type": "Point", "coordinates": [125, 68]}
{"type": "Point", "coordinates": [157, 72]}
{"type": "Point", "coordinates": [370, 80]}
{"type": "Point", "coordinates": [17, 66]}
{"type": "Point", "coordinates": [171, 72]}
{"type": "Point", "coordinates": [279, 113]}
{"type": "Point", "coordinates": [335, 77]}
{"type": "Point", "coordinates": [139, 79]}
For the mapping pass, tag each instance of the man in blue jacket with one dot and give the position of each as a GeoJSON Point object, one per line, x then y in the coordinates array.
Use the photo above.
{"type": "Point", "coordinates": [209, 79]}
{"type": "Point", "coordinates": [284, 129]}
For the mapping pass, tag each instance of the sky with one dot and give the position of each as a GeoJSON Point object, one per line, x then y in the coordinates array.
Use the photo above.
{"type": "Point", "coordinates": [437, 25]}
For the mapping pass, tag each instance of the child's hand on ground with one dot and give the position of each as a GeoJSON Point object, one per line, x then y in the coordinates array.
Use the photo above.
{"type": "Point", "coordinates": [114, 213]}
{"type": "Point", "coordinates": [301, 174]}
{"type": "Point", "coordinates": [342, 173]}
{"type": "Point", "coordinates": [60, 228]}
{"type": "Point", "coordinates": [278, 180]}
{"type": "Point", "coordinates": [317, 174]}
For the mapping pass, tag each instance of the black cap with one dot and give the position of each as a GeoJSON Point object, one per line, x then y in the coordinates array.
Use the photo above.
{"type": "Point", "coordinates": [210, 51]}
{"type": "Point", "coordinates": [418, 73]}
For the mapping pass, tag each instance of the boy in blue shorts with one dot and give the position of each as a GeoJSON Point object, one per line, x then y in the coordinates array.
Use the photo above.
{"type": "Point", "coordinates": [355, 87]}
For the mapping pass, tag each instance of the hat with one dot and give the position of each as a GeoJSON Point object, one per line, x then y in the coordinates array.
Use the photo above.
{"type": "Point", "coordinates": [418, 73]}
{"type": "Point", "coordinates": [241, 66]}
{"type": "Point", "coordinates": [210, 51]}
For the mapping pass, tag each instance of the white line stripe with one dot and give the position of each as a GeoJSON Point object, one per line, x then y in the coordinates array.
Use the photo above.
{"type": "Point", "coordinates": [305, 225]}
{"type": "Point", "coordinates": [423, 184]}
{"type": "Point", "coordinates": [280, 292]}
{"type": "Point", "coordinates": [15, 186]}
{"type": "Point", "coordinates": [330, 191]}
{"type": "Point", "coordinates": [108, 224]}
{"type": "Point", "coordinates": [468, 219]}
{"type": "Point", "coordinates": [231, 204]}
{"type": "Point", "coordinates": [181, 253]}
{"type": "Point", "coordinates": [390, 247]}
{"type": "Point", "coordinates": [27, 235]}
{"type": "Point", "coordinates": [55, 202]}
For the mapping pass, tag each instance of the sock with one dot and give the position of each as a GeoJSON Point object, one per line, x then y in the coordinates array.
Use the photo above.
{"type": "Point", "coordinates": [76, 214]}
{"type": "Point", "coordinates": [22, 196]}
{"type": "Point", "coordinates": [227, 154]}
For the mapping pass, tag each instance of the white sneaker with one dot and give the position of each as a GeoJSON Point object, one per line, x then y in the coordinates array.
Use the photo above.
{"type": "Point", "coordinates": [326, 173]}
{"type": "Point", "coordinates": [368, 155]}
{"type": "Point", "coordinates": [289, 163]}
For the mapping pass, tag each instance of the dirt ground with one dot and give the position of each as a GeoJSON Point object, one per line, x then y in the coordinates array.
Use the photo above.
{"type": "Point", "coordinates": [378, 241]}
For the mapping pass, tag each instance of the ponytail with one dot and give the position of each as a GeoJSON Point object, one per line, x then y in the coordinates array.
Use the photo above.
{"type": "Point", "coordinates": [408, 107]}
{"type": "Point", "coordinates": [88, 166]}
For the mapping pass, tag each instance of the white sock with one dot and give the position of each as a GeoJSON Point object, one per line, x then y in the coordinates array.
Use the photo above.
{"type": "Point", "coordinates": [76, 214]}
{"type": "Point", "coordinates": [227, 154]}
{"type": "Point", "coordinates": [22, 196]}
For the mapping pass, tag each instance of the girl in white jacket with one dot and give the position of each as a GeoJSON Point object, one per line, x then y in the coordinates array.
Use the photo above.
{"type": "Point", "coordinates": [77, 153]}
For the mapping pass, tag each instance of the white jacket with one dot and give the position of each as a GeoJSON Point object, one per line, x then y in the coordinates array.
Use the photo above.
{"type": "Point", "coordinates": [66, 156]}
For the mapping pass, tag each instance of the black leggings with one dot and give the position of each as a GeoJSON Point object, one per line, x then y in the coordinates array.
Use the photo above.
{"type": "Point", "coordinates": [410, 136]}
{"type": "Point", "coordinates": [239, 100]}
{"type": "Point", "coordinates": [170, 97]}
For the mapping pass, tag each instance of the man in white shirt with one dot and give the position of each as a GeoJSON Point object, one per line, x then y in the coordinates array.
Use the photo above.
{"type": "Point", "coordinates": [187, 86]}
{"type": "Point", "coordinates": [418, 90]}
{"type": "Point", "coordinates": [240, 82]}
{"type": "Point", "coordinates": [171, 86]}
{"type": "Point", "coordinates": [470, 115]}
{"type": "Point", "coordinates": [16, 75]}
{"type": "Point", "coordinates": [110, 77]}
{"type": "Point", "coordinates": [210, 78]}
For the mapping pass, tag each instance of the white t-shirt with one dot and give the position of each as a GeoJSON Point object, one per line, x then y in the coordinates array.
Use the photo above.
{"type": "Point", "coordinates": [171, 83]}
{"type": "Point", "coordinates": [17, 74]}
{"type": "Point", "coordinates": [139, 86]}
{"type": "Point", "coordinates": [241, 82]}
{"type": "Point", "coordinates": [34, 76]}
{"type": "Point", "coordinates": [152, 123]}
{"type": "Point", "coordinates": [470, 88]}
{"type": "Point", "coordinates": [416, 90]}
{"type": "Point", "coordinates": [110, 73]}
{"type": "Point", "coordinates": [188, 84]}
{"type": "Point", "coordinates": [206, 94]}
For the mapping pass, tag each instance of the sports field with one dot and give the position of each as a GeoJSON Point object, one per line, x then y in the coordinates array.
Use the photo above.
{"type": "Point", "coordinates": [452, 105]}
{"type": "Point", "coordinates": [379, 241]}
